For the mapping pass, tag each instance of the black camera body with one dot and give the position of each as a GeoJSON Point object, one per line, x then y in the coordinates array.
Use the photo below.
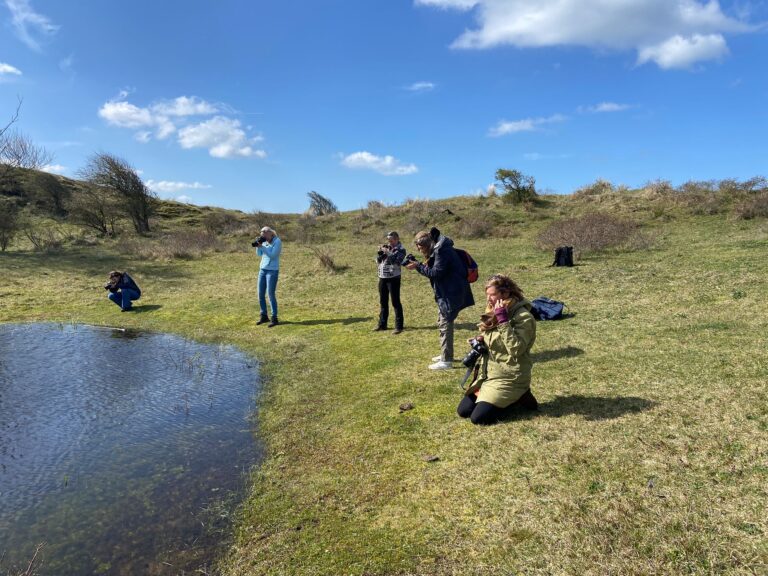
{"type": "Point", "coordinates": [110, 286]}
{"type": "Point", "coordinates": [408, 259]}
{"type": "Point", "coordinates": [477, 349]}
{"type": "Point", "coordinates": [259, 241]}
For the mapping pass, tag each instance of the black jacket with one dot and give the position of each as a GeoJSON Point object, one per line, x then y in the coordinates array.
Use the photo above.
{"type": "Point", "coordinates": [127, 282]}
{"type": "Point", "coordinates": [448, 275]}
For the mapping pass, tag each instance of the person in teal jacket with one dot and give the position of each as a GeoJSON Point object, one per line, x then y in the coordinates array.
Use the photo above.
{"type": "Point", "coordinates": [268, 246]}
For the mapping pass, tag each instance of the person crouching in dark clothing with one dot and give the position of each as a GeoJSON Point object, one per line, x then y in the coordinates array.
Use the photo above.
{"type": "Point", "coordinates": [502, 375]}
{"type": "Point", "coordinates": [388, 258]}
{"type": "Point", "coordinates": [122, 290]}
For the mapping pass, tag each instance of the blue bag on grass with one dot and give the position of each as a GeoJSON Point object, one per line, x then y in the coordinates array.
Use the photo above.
{"type": "Point", "coordinates": [544, 308]}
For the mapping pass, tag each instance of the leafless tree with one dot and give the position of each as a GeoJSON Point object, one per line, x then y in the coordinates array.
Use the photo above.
{"type": "Point", "coordinates": [320, 205]}
{"type": "Point", "coordinates": [18, 151]}
{"type": "Point", "coordinates": [116, 175]}
{"type": "Point", "coordinates": [96, 208]}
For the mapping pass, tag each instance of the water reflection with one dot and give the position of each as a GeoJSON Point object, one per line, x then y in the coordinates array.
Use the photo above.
{"type": "Point", "coordinates": [123, 451]}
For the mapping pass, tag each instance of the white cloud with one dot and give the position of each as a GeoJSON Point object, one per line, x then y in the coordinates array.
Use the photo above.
{"type": "Point", "coordinates": [171, 187]}
{"type": "Point", "coordinates": [185, 106]}
{"type": "Point", "coordinates": [223, 137]}
{"type": "Point", "coordinates": [126, 115]}
{"type": "Point", "coordinates": [672, 33]}
{"type": "Point", "coordinates": [680, 52]}
{"type": "Point", "coordinates": [54, 169]}
{"type": "Point", "coordinates": [420, 87]}
{"type": "Point", "coordinates": [184, 199]}
{"type": "Point", "coordinates": [8, 69]}
{"type": "Point", "coordinates": [526, 125]}
{"type": "Point", "coordinates": [31, 28]}
{"type": "Point", "coordinates": [386, 165]}
{"type": "Point", "coordinates": [604, 107]}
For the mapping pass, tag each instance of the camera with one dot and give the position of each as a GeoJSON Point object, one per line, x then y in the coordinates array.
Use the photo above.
{"type": "Point", "coordinates": [477, 349]}
{"type": "Point", "coordinates": [259, 241]}
{"type": "Point", "coordinates": [408, 259]}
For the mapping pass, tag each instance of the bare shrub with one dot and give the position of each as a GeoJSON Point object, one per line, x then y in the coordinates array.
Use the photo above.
{"type": "Point", "coordinates": [307, 229]}
{"type": "Point", "coordinates": [44, 237]}
{"type": "Point", "coordinates": [9, 222]}
{"type": "Point", "coordinates": [597, 188]}
{"type": "Point", "coordinates": [220, 223]}
{"type": "Point", "coordinates": [657, 189]}
{"type": "Point", "coordinates": [421, 214]}
{"type": "Point", "coordinates": [754, 207]}
{"type": "Point", "coordinates": [476, 224]}
{"type": "Point", "coordinates": [185, 245]}
{"type": "Point", "coordinates": [589, 233]}
{"type": "Point", "coordinates": [326, 259]}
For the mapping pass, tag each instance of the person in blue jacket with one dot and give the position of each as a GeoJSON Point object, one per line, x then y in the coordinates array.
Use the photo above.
{"type": "Point", "coordinates": [122, 290]}
{"type": "Point", "coordinates": [447, 274]}
{"type": "Point", "coordinates": [268, 246]}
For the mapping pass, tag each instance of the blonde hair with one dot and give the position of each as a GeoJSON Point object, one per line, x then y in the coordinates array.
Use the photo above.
{"type": "Point", "coordinates": [511, 294]}
{"type": "Point", "coordinates": [422, 238]}
{"type": "Point", "coordinates": [267, 229]}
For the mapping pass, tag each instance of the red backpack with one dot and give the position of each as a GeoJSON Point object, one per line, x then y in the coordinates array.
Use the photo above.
{"type": "Point", "coordinates": [472, 272]}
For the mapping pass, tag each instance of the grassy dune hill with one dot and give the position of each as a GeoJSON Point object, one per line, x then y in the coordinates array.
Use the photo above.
{"type": "Point", "coordinates": [649, 455]}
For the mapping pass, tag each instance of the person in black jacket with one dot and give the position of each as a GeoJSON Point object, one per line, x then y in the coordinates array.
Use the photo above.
{"type": "Point", "coordinates": [122, 290]}
{"type": "Point", "coordinates": [447, 274]}
{"type": "Point", "coordinates": [389, 257]}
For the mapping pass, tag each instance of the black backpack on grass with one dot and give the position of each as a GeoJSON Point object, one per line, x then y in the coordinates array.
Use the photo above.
{"type": "Point", "coordinates": [563, 256]}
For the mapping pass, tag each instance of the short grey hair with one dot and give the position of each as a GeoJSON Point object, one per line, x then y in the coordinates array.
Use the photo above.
{"type": "Point", "coordinates": [268, 229]}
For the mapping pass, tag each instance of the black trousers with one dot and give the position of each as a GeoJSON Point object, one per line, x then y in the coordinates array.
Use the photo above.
{"type": "Point", "coordinates": [487, 413]}
{"type": "Point", "coordinates": [390, 287]}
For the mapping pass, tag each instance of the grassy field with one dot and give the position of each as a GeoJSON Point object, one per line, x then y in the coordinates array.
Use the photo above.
{"type": "Point", "coordinates": [649, 456]}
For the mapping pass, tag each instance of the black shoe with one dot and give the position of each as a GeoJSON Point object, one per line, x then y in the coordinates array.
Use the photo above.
{"type": "Point", "coordinates": [273, 323]}
{"type": "Point", "coordinates": [379, 328]}
{"type": "Point", "coordinates": [397, 331]}
{"type": "Point", "coordinates": [528, 401]}
{"type": "Point", "coordinates": [263, 320]}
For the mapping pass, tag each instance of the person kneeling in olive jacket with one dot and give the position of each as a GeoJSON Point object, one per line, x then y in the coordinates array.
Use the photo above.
{"type": "Point", "coordinates": [502, 379]}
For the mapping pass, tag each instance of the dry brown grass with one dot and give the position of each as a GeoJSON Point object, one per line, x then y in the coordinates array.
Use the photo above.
{"type": "Point", "coordinates": [592, 232]}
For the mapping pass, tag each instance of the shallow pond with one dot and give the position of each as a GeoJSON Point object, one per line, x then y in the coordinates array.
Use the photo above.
{"type": "Point", "coordinates": [125, 453]}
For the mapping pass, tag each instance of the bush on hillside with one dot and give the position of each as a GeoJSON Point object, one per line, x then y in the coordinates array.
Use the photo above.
{"type": "Point", "coordinates": [592, 233]}
{"type": "Point", "coordinates": [754, 207]}
{"type": "Point", "coordinates": [597, 188]}
{"type": "Point", "coordinates": [423, 214]}
{"type": "Point", "coordinates": [475, 224]}
{"type": "Point", "coordinates": [220, 223]}
{"type": "Point", "coordinates": [184, 245]}
{"type": "Point", "coordinates": [9, 222]}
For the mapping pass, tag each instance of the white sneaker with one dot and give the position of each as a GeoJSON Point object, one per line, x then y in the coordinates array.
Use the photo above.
{"type": "Point", "coordinates": [441, 365]}
{"type": "Point", "coordinates": [437, 358]}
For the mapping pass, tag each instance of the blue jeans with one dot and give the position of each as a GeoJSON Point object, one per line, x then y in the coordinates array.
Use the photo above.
{"type": "Point", "coordinates": [124, 297]}
{"type": "Point", "coordinates": [268, 285]}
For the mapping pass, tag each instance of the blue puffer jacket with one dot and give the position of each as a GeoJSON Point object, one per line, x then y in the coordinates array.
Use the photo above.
{"type": "Point", "coordinates": [448, 276]}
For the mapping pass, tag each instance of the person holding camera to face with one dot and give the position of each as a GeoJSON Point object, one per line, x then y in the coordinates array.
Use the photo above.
{"type": "Point", "coordinates": [447, 274]}
{"type": "Point", "coordinates": [388, 258]}
{"type": "Point", "coordinates": [122, 290]}
{"type": "Point", "coordinates": [500, 355]}
{"type": "Point", "coordinates": [268, 246]}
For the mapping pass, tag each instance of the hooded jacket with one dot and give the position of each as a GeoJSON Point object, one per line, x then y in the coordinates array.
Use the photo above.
{"type": "Point", "coordinates": [504, 373]}
{"type": "Point", "coordinates": [447, 274]}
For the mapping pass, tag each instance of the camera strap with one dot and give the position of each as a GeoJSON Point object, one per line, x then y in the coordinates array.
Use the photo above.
{"type": "Point", "coordinates": [466, 377]}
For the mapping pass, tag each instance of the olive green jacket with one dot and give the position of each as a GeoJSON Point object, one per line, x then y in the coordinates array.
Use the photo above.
{"type": "Point", "coordinates": [504, 374]}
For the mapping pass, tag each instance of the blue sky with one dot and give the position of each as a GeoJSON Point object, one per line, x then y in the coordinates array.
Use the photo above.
{"type": "Point", "coordinates": [251, 105]}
